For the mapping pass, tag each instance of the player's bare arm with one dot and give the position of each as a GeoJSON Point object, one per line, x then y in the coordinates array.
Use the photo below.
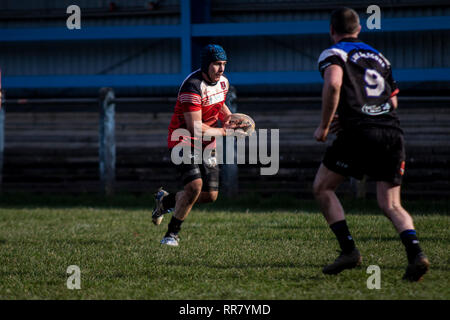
{"type": "Point", "coordinates": [330, 100]}
{"type": "Point", "coordinates": [195, 117]}
{"type": "Point", "coordinates": [225, 111]}
{"type": "Point", "coordinates": [394, 102]}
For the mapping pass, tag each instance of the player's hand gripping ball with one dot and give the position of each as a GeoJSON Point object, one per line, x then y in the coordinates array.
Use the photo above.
{"type": "Point", "coordinates": [242, 124]}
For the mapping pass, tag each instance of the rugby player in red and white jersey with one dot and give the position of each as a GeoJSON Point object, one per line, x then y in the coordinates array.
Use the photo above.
{"type": "Point", "coordinates": [201, 100]}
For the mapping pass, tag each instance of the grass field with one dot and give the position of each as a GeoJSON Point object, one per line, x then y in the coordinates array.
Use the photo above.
{"type": "Point", "coordinates": [249, 249]}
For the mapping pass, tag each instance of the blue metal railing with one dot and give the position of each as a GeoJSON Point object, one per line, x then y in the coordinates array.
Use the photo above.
{"type": "Point", "coordinates": [186, 31]}
{"type": "Point", "coordinates": [173, 80]}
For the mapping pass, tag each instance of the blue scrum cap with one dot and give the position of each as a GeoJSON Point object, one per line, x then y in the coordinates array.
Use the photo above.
{"type": "Point", "coordinates": [211, 53]}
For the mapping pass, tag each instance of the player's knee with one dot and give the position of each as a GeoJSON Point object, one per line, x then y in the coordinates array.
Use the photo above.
{"type": "Point", "coordinates": [211, 196]}
{"type": "Point", "coordinates": [319, 188]}
{"type": "Point", "coordinates": [193, 189]}
{"type": "Point", "coordinates": [390, 208]}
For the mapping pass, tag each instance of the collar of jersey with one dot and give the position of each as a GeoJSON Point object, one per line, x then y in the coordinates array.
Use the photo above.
{"type": "Point", "coordinates": [349, 39]}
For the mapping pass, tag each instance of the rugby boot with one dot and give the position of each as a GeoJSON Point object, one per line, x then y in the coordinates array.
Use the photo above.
{"type": "Point", "coordinates": [416, 270]}
{"type": "Point", "coordinates": [171, 239]}
{"type": "Point", "coordinates": [344, 261]}
{"type": "Point", "coordinates": [159, 211]}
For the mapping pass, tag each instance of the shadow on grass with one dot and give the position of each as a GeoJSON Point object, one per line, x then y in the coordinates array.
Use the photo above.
{"type": "Point", "coordinates": [402, 267]}
{"type": "Point", "coordinates": [244, 203]}
{"type": "Point", "coordinates": [70, 242]}
{"type": "Point", "coordinates": [296, 227]}
{"type": "Point", "coordinates": [245, 266]}
{"type": "Point", "coordinates": [397, 239]}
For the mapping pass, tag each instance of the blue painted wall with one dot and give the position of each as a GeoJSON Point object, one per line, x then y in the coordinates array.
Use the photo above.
{"type": "Point", "coordinates": [151, 54]}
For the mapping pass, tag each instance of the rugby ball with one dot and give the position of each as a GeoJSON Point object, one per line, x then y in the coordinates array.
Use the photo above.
{"type": "Point", "coordinates": [241, 123]}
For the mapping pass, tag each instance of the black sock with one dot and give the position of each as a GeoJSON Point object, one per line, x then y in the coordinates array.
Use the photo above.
{"type": "Point", "coordinates": [343, 236]}
{"type": "Point", "coordinates": [411, 243]}
{"type": "Point", "coordinates": [174, 226]}
{"type": "Point", "coordinates": [169, 201]}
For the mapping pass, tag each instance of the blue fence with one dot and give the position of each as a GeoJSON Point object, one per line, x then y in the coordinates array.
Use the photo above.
{"type": "Point", "coordinates": [187, 31]}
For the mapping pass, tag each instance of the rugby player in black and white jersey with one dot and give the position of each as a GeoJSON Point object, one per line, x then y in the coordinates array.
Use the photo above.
{"type": "Point", "coordinates": [360, 93]}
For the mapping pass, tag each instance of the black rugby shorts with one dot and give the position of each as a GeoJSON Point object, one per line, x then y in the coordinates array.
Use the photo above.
{"type": "Point", "coordinates": [377, 152]}
{"type": "Point", "coordinates": [207, 170]}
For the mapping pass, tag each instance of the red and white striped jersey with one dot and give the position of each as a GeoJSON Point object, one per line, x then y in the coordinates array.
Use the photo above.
{"type": "Point", "coordinates": [197, 94]}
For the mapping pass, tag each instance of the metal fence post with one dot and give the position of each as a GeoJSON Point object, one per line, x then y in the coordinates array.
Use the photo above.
{"type": "Point", "coordinates": [107, 142]}
{"type": "Point", "coordinates": [229, 172]}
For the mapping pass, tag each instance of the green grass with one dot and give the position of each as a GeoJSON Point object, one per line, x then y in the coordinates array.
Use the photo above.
{"type": "Point", "coordinates": [250, 249]}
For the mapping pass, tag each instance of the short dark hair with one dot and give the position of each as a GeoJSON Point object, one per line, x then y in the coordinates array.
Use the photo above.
{"type": "Point", "coordinates": [344, 21]}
